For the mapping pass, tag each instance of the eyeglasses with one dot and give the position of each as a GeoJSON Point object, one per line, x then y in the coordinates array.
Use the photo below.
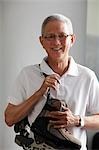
{"type": "Point", "coordinates": [53, 37]}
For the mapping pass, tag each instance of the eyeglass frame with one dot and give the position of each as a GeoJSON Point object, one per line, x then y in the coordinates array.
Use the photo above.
{"type": "Point", "coordinates": [52, 37]}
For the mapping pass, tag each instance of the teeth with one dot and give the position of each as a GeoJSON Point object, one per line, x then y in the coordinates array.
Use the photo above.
{"type": "Point", "coordinates": [56, 49]}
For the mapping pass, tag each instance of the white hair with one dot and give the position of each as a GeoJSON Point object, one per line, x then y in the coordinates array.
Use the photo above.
{"type": "Point", "coordinates": [58, 17]}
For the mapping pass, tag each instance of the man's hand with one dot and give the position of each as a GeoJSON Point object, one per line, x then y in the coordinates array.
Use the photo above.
{"type": "Point", "coordinates": [51, 81]}
{"type": "Point", "coordinates": [63, 119]}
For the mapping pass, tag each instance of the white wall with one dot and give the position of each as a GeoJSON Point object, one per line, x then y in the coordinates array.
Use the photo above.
{"type": "Point", "coordinates": [93, 18]}
{"type": "Point", "coordinates": [1, 81]}
{"type": "Point", "coordinates": [92, 43]}
{"type": "Point", "coordinates": [21, 29]}
{"type": "Point", "coordinates": [0, 44]}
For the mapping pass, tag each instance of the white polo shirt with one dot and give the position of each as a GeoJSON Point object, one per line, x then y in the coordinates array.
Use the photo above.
{"type": "Point", "coordinates": [79, 88]}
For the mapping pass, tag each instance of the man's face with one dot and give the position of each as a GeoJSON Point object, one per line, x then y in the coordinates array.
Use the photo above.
{"type": "Point", "coordinates": [56, 40]}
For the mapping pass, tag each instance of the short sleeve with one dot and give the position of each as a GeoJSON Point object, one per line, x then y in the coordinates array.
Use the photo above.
{"type": "Point", "coordinates": [18, 93]}
{"type": "Point", "coordinates": [93, 105]}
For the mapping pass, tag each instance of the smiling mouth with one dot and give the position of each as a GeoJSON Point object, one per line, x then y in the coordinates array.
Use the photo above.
{"type": "Point", "coordinates": [57, 49]}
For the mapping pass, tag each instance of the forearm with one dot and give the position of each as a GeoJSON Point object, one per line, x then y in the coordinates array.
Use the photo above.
{"type": "Point", "coordinates": [15, 113]}
{"type": "Point", "coordinates": [91, 122]}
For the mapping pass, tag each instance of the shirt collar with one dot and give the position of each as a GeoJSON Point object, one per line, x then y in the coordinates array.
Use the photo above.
{"type": "Point", "coordinates": [45, 68]}
{"type": "Point", "coordinates": [72, 70]}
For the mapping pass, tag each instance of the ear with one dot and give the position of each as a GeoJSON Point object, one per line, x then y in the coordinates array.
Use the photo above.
{"type": "Point", "coordinates": [41, 40]}
{"type": "Point", "coordinates": [73, 39]}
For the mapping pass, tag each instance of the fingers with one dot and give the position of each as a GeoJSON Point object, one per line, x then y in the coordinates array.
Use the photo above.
{"type": "Point", "coordinates": [51, 81]}
{"type": "Point", "coordinates": [61, 119]}
{"type": "Point", "coordinates": [54, 76]}
{"type": "Point", "coordinates": [57, 119]}
{"type": "Point", "coordinates": [61, 123]}
{"type": "Point", "coordinates": [56, 114]}
{"type": "Point", "coordinates": [58, 124]}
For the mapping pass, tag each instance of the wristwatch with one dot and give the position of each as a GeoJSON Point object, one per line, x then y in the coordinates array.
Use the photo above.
{"type": "Point", "coordinates": [81, 122]}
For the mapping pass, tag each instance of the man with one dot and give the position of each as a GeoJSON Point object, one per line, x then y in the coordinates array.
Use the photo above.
{"type": "Point", "coordinates": [67, 80]}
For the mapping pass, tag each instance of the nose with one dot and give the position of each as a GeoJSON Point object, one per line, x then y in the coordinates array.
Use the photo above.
{"type": "Point", "coordinates": [57, 40]}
